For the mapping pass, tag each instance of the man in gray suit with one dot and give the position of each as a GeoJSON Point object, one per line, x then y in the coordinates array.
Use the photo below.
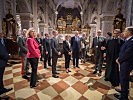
{"type": "Point", "coordinates": [98, 45]}
{"type": "Point", "coordinates": [22, 52]}
{"type": "Point", "coordinates": [55, 53]}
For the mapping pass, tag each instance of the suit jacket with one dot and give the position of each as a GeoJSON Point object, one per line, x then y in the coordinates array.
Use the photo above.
{"type": "Point", "coordinates": [47, 45]}
{"type": "Point", "coordinates": [98, 43]}
{"type": "Point", "coordinates": [55, 47]}
{"type": "Point", "coordinates": [66, 47]}
{"type": "Point", "coordinates": [33, 48]}
{"type": "Point", "coordinates": [75, 44]}
{"type": "Point", "coordinates": [4, 56]}
{"type": "Point", "coordinates": [22, 46]}
{"type": "Point", "coordinates": [39, 40]}
{"type": "Point", "coordinates": [126, 53]}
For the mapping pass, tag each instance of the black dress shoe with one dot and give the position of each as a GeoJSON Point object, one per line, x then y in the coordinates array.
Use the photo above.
{"type": "Point", "coordinates": [55, 76]}
{"type": "Point", "coordinates": [99, 74]}
{"type": "Point", "coordinates": [4, 90]}
{"type": "Point", "coordinates": [25, 77]}
{"type": "Point", "coordinates": [94, 72]}
{"type": "Point", "coordinates": [28, 73]}
{"type": "Point", "coordinates": [69, 71]}
{"type": "Point", "coordinates": [117, 96]}
{"type": "Point", "coordinates": [57, 73]}
{"type": "Point", "coordinates": [118, 90]}
{"type": "Point", "coordinates": [77, 66]}
{"type": "Point", "coordinates": [33, 86]}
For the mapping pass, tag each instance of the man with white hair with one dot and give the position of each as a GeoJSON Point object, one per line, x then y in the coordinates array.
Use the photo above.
{"type": "Point", "coordinates": [98, 45]}
{"type": "Point", "coordinates": [22, 52]}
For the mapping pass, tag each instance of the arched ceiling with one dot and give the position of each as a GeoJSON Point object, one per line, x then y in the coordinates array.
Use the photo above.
{"type": "Point", "coordinates": [22, 6]}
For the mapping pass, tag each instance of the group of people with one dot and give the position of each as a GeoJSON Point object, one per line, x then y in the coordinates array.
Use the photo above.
{"type": "Point", "coordinates": [32, 48]}
{"type": "Point", "coordinates": [117, 50]}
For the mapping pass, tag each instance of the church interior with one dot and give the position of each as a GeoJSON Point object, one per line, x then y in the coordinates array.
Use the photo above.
{"type": "Point", "coordinates": [65, 16]}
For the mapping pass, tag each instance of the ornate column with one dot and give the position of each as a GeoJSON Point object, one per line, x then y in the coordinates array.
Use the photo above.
{"type": "Point", "coordinates": [98, 15]}
{"type": "Point", "coordinates": [41, 27]}
{"type": "Point", "coordinates": [1, 14]}
{"type": "Point", "coordinates": [107, 14]}
{"type": "Point", "coordinates": [56, 13]}
{"type": "Point", "coordinates": [129, 13]}
{"type": "Point", "coordinates": [34, 6]}
{"type": "Point", "coordinates": [46, 19]}
{"type": "Point", "coordinates": [92, 33]}
{"type": "Point", "coordinates": [82, 19]}
{"type": "Point", "coordinates": [14, 8]}
{"type": "Point", "coordinates": [26, 20]}
{"type": "Point", "coordinates": [19, 24]}
{"type": "Point", "coordinates": [107, 24]}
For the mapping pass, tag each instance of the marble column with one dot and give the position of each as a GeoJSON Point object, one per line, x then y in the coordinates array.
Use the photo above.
{"type": "Point", "coordinates": [1, 14]}
{"type": "Point", "coordinates": [35, 24]}
{"type": "Point", "coordinates": [98, 15]}
{"type": "Point", "coordinates": [92, 33]}
{"type": "Point", "coordinates": [107, 24]}
{"type": "Point", "coordinates": [19, 24]}
{"type": "Point", "coordinates": [46, 19]}
{"type": "Point", "coordinates": [41, 27]}
{"type": "Point", "coordinates": [55, 24]}
{"type": "Point", "coordinates": [14, 8]}
{"type": "Point", "coordinates": [129, 13]}
{"type": "Point", "coordinates": [26, 20]}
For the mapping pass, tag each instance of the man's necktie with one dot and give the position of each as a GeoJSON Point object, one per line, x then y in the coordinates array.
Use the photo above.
{"type": "Point", "coordinates": [98, 39]}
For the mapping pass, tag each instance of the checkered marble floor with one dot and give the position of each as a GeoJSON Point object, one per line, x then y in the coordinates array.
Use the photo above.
{"type": "Point", "coordinates": [79, 84]}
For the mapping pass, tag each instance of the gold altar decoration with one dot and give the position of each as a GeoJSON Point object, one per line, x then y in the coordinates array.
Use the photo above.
{"type": "Point", "coordinates": [68, 24]}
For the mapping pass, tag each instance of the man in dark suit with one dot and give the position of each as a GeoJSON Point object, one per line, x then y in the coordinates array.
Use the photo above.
{"type": "Point", "coordinates": [67, 52]}
{"type": "Point", "coordinates": [98, 45]}
{"type": "Point", "coordinates": [22, 52]}
{"type": "Point", "coordinates": [4, 56]}
{"type": "Point", "coordinates": [125, 60]}
{"type": "Point", "coordinates": [76, 45]}
{"type": "Point", "coordinates": [55, 53]}
{"type": "Point", "coordinates": [47, 50]}
{"type": "Point", "coordinates": [39, 40]}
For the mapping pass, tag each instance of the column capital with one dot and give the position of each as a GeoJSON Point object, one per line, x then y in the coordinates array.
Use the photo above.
{"type": "Point", "coordinates": [25, 16]}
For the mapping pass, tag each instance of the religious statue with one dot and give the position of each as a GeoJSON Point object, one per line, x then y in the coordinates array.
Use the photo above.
{"type": "Point", "coordinates": [119, 21]}
{"type": "Point", "coordinates": [76, 23]}
{"type": "Point", "coordinates": [60, 22]}
{"type": "Point", "coordinates": [10, 26]}
{"type": "Point", "coordinates": [69, 19]}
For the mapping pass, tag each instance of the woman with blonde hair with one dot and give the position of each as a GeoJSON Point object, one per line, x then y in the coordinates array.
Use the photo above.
{"type": "Point", "coordinates": [33, 55]}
